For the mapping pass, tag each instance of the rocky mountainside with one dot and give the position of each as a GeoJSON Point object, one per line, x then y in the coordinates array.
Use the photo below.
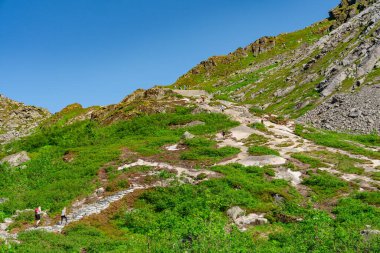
{"type": "Point", "coordinates": [293, 73]}
{"type": "Point", "coordinates": [204, 165]}
{"type": "Point", "coordinates": [18, 119]}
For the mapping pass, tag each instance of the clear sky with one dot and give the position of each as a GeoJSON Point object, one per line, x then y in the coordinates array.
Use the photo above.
{"type": "Point", "coordinates": [95, 52]}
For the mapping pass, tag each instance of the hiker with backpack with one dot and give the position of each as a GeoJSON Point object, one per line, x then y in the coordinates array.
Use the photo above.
{"type": "Point", "coordinates": [37, 215]}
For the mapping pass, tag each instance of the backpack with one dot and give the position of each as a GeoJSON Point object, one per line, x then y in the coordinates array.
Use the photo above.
{"type": "Point", "coordinates": [36, 210]}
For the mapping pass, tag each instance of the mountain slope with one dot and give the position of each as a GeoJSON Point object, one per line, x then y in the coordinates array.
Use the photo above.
{"type": "Point", "coordinates": [180, 170]}
{"type": "Point", "coordinates": [292, 73]}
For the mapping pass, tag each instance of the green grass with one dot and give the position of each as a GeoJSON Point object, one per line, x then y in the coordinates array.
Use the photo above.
{"type": "Point", "coordinates": [341, 140]}
{"type": "Point", "coordinates": [262, 150]}
{"type": "Point", "coordinates": [177, 219]}
{"type": "Point", "coordinates": [340, 162]}
{"type": "Point", "coordinates": [256, 139]}
{"type": "Point", "coordinates": [325, 185]}
{"type": "Point", "coordinates": [202, 149]}
{"type": "Point", "coordinates": [313, 162]}
{"type": "Point", "coordinates": [372, 198]}
{"type": "Point", "coordinates": [259, 126]}
{"type": "Point", "coordinates": [52, 183]}
{"type": "Point", "coordinates": [193, 218]}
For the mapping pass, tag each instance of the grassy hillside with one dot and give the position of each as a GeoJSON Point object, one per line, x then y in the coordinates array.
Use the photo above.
{"type": "Point", "coordinates": [198, 172]}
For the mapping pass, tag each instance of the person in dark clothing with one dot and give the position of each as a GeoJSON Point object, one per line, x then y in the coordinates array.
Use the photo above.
{"type": "Point", "coordinates": [37, 215]}
{"type": "Point", "coordinates": [63, 215]}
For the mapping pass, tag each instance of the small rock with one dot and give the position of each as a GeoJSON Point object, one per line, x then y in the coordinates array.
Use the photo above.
{"type": "Point", "coordinates": [195, 123]}
{"type": "Point", "coordinates": [369, 232]}
{"type": "Point", "coordinates": [100, 191]}
{"type": "Point", "coordinates": [234, 212]}
{"type": "Point", "coordinates": [3, 200]}
{"type": "Point", "coordinates": [16, 159]}
{"type": "Point", "coordinates": [187, 136]}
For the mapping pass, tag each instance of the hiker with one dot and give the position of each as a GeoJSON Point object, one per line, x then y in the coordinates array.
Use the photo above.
{"type": "Point", "coordinates": [63, 215]}
{"type": "Point", "coordinates": [37, 215]}
{"type": "Point", "coordinates": [222, 108]}
{"type": "Point", "coordinates": [223, 134]}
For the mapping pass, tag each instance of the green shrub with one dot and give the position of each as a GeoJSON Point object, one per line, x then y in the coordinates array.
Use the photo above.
{"type": "Point", "coordinates": [325, 185]}
{"type": "Point", "coordinates": [259, 126]}
{"type": "Point", "coordinates": [313, 162]}
{"type": "Point", "coordinates": [261, 150]}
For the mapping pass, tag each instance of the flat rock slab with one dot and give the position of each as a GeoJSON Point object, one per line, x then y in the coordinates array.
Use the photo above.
{"type": "Point", "coordinates": [262, 160]}
{"type": "Point", "coordinates": [241, 132]}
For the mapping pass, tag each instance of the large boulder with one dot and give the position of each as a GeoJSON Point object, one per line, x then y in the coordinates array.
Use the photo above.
{"type": "Point", "coordinates": [16, 159]}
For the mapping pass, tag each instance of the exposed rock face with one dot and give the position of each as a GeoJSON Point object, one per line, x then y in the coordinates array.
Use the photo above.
{"type": "Point", "coordinates": [154, 100]}
{"type": "Point", "coordinates": [347, 9]}
{"type": "Point", "coordinates": [18, 120]}
{"type": "Point", "coordinates": [154, 93]}
{"type": "Point", "coordinates": [357, 112]}
{"type": "Point", "coordinates": [16, 159]}
{"type": "Point", "coordinates": [360, 56]}
{"type": "Point", "coordinates": [262, 45]}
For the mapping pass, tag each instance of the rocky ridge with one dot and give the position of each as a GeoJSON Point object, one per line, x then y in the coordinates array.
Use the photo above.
{"type": "Point", "coordinates": [17, 119]}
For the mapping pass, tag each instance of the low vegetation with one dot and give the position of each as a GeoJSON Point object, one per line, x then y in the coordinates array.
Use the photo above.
{"type": "Point", "coordinates": [262, 150]}
{"type": "Point", "coordinates": [51, 182]}
{"type": "Point", "coordinates": [347, 142]}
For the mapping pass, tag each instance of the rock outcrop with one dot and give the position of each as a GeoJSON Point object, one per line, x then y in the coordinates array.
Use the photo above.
{"type": "Point", "coordinates": [18, 120]}
{"type": "Point", "coordinates": [348, 9]}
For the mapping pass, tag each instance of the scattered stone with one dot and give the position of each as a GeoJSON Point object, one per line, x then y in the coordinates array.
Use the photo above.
{"type": "Point", "coordinates": [357, 112]}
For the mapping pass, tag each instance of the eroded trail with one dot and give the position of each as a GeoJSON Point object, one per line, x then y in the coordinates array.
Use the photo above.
{"type": "Point", "coordinates": [97, 202]}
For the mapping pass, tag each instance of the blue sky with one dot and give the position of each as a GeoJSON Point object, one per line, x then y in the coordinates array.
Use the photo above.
{"type": "Point", "coordinates": [95, 52]}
